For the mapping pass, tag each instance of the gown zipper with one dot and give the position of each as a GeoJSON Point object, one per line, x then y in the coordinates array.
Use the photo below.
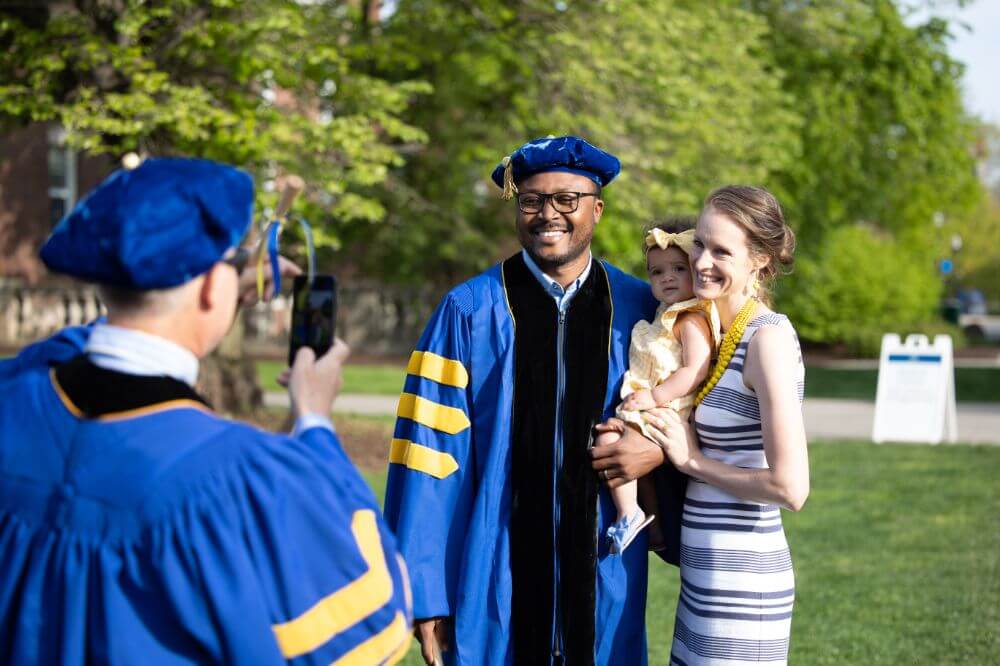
{"type": "Point", "coordinates": [557, 638]}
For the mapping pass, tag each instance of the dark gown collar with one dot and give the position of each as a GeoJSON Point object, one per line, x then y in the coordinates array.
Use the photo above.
{"type": "Point", "coordinates": [91, 391]}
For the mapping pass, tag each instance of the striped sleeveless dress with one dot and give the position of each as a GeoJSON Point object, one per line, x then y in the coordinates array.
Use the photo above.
{"type": "Point", "coordinates": [737, 585]}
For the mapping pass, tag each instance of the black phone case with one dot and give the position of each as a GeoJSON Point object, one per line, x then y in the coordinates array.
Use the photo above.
{"type": "Point", "coordinates": [314, 315]}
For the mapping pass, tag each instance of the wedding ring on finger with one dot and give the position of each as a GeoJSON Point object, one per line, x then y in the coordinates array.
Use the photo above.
{"type": "Point", "coordinates": [604, 473]}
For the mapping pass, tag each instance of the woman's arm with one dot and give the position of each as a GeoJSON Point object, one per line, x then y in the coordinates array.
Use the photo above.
{"type": "Point", "coordinates": [695, 337]}
{"type": "Point", "coordinates": [770, 370]}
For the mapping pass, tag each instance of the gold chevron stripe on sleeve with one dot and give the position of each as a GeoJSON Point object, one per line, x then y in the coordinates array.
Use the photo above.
{"type": "Point", "coordinates": [422, 458]}
{"type": "Point", "coordinates": [438, 368]}
{"type": "Point", "coordinates": [446, 419]}
{"type": "Point", "coordinates": [348, 605]}
{"type": "Point", "coordinates": [387, 646]}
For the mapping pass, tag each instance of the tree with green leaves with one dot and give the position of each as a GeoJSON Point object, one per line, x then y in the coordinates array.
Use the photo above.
{"type": "Point", "coordinates": [680, 91]}
{"type": "Point", "coordinates": [274, 86]}
{"type": "Point", "coordinates": [851, 116]}
{"type": "Point", "coordinates": [977, 258]}
{"type": "Point", "coordinates": [270, 85]}
{"type": "Point", "coordinates": [848, 114]}
{"type": "Point", "coordinates": [886, 151]}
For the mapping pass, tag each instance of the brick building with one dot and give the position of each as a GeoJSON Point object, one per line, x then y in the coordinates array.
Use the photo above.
{"type": "Point", "coordinates": [40, 181]}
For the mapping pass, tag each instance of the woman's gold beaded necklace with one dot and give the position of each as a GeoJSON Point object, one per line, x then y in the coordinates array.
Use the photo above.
{"type": "Point", "coordinates": [728, 346]}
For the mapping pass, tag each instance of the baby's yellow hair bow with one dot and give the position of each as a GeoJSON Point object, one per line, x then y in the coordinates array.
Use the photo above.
{"type": "Point", "coordinates": [664, 239]}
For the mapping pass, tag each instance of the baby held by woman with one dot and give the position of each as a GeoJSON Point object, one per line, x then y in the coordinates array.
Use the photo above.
{"type": "Point", "coordinates": [669, 359]}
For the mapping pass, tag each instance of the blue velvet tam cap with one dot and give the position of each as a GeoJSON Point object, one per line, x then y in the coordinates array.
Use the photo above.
{"type": "Point", "coordinates": [564, 153]}
{"type": "Point", "coordinates": [153, 227]}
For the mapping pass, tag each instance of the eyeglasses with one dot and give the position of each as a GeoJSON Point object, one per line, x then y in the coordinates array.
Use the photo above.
{"type": "Point", "coordinates": [238, 259]}
{"type": "Point", "coordinates": [562, 202]}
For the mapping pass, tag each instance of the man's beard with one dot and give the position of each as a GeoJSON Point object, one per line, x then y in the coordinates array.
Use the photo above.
{"type": "Point", "coordinates": [575, 250]}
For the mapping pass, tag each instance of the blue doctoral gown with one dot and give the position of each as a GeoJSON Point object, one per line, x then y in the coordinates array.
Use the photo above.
{"type": "Point", "coordinates": [164, 534]}
{"type": "Point", "coordinates": [490, 491]}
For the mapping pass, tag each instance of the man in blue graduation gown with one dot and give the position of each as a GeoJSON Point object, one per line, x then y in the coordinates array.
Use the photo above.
{"type": "Point", "coordinates": [138, 527]}
{"type": "Point", "coordinates": [491, 493]}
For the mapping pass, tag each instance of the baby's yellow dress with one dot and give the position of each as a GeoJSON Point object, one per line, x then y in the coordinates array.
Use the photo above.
{"type": "Point", "coordinates": [655, 354]}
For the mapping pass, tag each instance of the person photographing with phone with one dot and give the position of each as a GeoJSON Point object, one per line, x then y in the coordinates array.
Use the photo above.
{"type": "Point", "coordinates": [137, 526]}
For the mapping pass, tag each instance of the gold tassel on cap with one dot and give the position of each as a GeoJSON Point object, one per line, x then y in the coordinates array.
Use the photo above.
{"type": "Point", "coordinates": [509, 188]}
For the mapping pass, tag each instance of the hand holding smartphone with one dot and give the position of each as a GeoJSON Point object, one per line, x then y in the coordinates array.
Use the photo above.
{"type": "Point", "coordinates": [314, 315]}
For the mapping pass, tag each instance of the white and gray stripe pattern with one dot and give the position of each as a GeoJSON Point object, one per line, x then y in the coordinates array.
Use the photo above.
{"type": "Point", "coordinates": [737, 583]}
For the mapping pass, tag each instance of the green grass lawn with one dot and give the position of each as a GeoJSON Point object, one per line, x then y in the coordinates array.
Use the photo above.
{"type": "Point", "coordinates": [388, 420]}
{"type": "Point", "coordinates": [365, 379]}
{"type": "Point", "coordinates": [971, 384]}
{"type": "Point", "coordinates": [897, 558]}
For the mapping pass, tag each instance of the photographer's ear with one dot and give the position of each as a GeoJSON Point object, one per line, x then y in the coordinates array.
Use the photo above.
{"type": "Point", "coordinates": [207, 284]}
{"type": "Point", "coordinates": [216, 286]}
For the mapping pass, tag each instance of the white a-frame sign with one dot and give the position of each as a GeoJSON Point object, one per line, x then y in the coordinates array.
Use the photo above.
{"type": "Point", "coordinates": [915, 401]}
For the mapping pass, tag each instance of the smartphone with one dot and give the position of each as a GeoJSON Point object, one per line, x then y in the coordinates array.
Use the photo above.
{"type": "Point", "coordinates": [314, 315]}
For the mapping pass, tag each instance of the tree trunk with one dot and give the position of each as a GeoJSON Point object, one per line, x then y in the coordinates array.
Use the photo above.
{"type": "Point", "coordinates": [228, 379]}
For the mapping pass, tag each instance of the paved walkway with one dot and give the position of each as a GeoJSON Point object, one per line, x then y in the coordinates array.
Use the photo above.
{"type": "Point", "coordinates": [978, 422]}
{"type": "Point", "coordinates": [826, 418]}
{"type": "Point", "coordinates": [369, 405]}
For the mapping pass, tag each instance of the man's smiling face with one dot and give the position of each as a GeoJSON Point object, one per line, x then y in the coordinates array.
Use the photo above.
{"type": "Point", "coordinates": [554, 239]}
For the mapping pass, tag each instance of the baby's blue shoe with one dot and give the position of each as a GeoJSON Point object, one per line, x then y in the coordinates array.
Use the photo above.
{"type": "Point", "coordinates": [625, 530]}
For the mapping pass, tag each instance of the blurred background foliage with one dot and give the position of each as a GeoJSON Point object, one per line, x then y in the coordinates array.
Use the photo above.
{"type": "Point", "coordinates": [274, 86]}
{"type": "Point", "coordinates": [859, 284]}
{"type": "Point", "coordinates": [396, 113]}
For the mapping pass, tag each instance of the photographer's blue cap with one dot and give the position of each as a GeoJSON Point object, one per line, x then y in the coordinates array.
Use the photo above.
{"type": "Point", "coordinates": [153, 227]}
{"type": "Point", "coordinates": [563, 153]}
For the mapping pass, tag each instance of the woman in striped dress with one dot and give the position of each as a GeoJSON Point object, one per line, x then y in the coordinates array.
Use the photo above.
{"type": "Point", "coordinates": [746, 450]}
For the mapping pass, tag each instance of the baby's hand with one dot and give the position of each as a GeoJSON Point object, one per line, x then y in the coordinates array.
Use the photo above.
{"type": "Point", "coordinates": [639, 401]}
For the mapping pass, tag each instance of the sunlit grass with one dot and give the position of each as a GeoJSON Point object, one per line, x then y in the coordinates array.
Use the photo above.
{"type": "Point", "coordinates": [358, 379]}
{"type": "Point", "coordinates": [971, 384]}
{"type": "Point", "coordinates": [896, 553]}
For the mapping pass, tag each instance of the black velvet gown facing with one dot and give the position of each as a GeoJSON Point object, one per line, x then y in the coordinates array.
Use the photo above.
{"type": "Point", "coordinates": [555, 490]}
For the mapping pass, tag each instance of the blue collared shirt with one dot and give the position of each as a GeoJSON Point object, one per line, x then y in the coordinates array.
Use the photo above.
{"type": "Point", "coordinates": [562, 296]}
